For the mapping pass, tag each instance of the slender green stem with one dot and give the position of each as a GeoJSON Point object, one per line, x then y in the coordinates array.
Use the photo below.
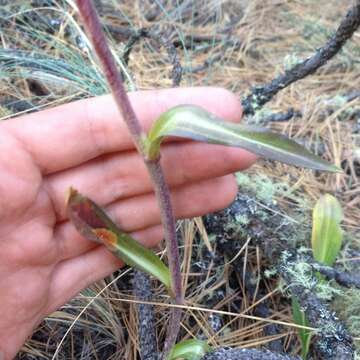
{"type": "Point", "coordinates": [94, 30]}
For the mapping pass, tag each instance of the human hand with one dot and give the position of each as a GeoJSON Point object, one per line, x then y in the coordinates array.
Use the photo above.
{"type": "Point", "coordinates": [44, 262]}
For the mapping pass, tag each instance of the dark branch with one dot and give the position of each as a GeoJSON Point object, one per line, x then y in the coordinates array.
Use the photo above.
{"type": "Point", "coordinates": [126, 33]}
{"type": "Point", "coordinates": [262, 94]}
{"type": "Point", "coordinates": [333, 341]}
{"type": "Point", "coordinates": [282, 116]}
{"type": "Point", "coordinates": [246, 354]}
{"type": "Point", "coordinates": [123, 33]}
{"type": "Point", "coordinates": [146, 321]}
{"type": "Point", "coordinates": [275, 117]}
{"type": "Point", "coordinates": [353, 95]}
{"type": "Point", "coordinates": [341, 277]}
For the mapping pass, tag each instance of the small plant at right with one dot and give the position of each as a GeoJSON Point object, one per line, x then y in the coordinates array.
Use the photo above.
{"type": "Point", "coordinates": [326, 241]}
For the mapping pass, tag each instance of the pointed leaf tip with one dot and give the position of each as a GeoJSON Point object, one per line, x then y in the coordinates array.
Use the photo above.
{"type": "Point", "coordinates": [70, 194]}
{"type": "Point", "coordinates": [195, 123]}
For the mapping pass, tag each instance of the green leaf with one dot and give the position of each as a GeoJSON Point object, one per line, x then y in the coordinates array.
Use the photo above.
{"type": "Point", "coordinates": [304, 334]}
{"type": "Point", "coordinates": [327, 235]}
{"type": "Point", "coordinates": [93, 223]}
{"type": "Point", "coordinates": [195, 123]}
{"type": "Point", "coordinates": [189, 350]}
{"type": "Point", "coordinates": [326, 242]}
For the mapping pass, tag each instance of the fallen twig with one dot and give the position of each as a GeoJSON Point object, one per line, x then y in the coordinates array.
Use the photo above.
{"type": "Point", "coordinates": [266, 118]}
{"type": "Point", "coordinates": [282, 116]}
{"type": "Point", "coordinates": [146, 328]}
{"type": "Point", "coordinates": [246, 354]}
{"type": "Point", "coordinates": [341, 277]}
{"type": "Point", "coordinates": [333, 340]}
{"type": "Point", "coordinates": [260, 95]}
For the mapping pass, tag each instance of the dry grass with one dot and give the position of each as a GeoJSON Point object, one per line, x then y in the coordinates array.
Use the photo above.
{"type": "Point", "coordinates": [271, 34]}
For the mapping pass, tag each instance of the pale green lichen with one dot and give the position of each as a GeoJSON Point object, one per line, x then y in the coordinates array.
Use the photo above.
{"type": "Point", "coordinates": [326, 290]}
{"type": "Point", "coordinates": [259, 117]}
{"type": "Point", "coordinates": [242, 219]}
{"type": "Point", "coordinates": [290, 60]}
{"type": "Point", "coordinates": [267, 189]}
{"type": "Point", "coordinates": [261, 185]}
{"type": "Point", "coordinates": [303, 276]}
{"type": "Point", "coordinates": [269, 273]}
{"type": "Point", "coordinates": [337, 101]}
{"type": "Point", "coordinates": [291, 226]}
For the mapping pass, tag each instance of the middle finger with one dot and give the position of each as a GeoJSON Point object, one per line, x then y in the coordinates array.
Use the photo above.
{"type": "Point", "coordinates": [122, 175]}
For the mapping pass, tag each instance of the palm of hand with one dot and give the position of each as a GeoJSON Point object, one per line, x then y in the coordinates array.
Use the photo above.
{"type": "Point", "coordinates": [28, 254]}
{"type": "Point", "coordinates": [44, 262]}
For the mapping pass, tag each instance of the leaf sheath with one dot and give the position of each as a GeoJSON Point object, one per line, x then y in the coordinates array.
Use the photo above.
{"type": "Point", "coordinates": [95, 225]}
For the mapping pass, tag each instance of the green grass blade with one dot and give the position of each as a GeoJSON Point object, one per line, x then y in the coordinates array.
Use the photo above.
{"type": "Point", "coordinates": [327, 235]}
{"type": "Point", "coordinates": [93, 223]}
{"type": "Point", "coordinates": [195, 123]}
{"type": "Point", "coordinates": [304, 334]}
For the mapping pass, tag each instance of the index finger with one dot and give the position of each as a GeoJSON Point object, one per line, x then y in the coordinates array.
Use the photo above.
{"type": "Point", "coordinates": [71, 134]}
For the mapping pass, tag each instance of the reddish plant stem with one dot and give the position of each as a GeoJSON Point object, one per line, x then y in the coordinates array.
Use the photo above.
{"type": "Point", "coordinates": [94, 30]}
{"type": "Point", "coordinates": [163, 195]}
